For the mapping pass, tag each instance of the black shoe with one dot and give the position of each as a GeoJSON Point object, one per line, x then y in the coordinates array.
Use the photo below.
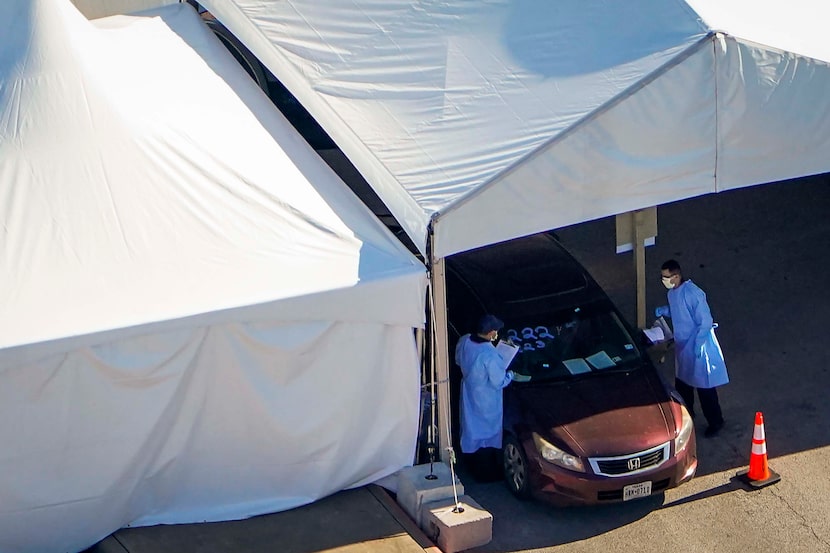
{"type": "Point", "coordinates": [713, 430]}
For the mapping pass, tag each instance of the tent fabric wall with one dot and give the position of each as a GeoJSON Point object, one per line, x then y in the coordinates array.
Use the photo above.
{"type": "Point", "coordinates": [443, 107]}
{"type": "Point", "coordinates": [203, 424]}
{"type": "Point", "coordinates": [200, 320]}
{"type": "Point", "coordinates": [773, 114]}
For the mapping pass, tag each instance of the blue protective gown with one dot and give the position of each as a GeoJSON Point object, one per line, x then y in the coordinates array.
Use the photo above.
{"type": "Point", "coordinates": [698, 356]}
{"type": "Point", "coordinates": [484, 376]}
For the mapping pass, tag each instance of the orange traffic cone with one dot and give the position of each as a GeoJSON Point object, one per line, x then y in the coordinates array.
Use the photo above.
{"type": "Point", "coordinates": [759, 474]}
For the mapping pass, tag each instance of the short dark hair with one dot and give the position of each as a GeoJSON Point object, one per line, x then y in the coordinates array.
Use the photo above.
{"type": "Point", "coordinates": [671, 266]}
{"type": "Point", "coordinates": [488, 323]}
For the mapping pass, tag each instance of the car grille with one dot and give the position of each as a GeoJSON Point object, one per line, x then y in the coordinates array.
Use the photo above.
{"type": "Point", "coordinates": [616, 495]}
{"type": "Point", "coordinates": [626, 465]}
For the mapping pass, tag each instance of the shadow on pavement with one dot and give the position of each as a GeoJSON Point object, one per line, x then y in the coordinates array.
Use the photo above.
{"type": "Point", "coordinates": [352, 521]}
{"type": "Point", "coordinates": [761, 254]}
{"type": "Point", "coordinates": [520, 525]}
{"type": "Point", "coordinates": [734, 484]}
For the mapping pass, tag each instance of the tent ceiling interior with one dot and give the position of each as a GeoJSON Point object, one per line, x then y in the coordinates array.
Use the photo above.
{"type": "Point", "coordinates": [494, 119]}
{"type": "Point", "coordinates": [182, 278]}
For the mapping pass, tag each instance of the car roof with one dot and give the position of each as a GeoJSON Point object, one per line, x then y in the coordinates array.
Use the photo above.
{"type": "Point", "coordinates": [530, 268]}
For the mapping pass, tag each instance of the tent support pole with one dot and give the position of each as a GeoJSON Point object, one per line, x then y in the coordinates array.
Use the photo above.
{"type": "Point", "coordinates": [439, 318]}
{"type": "Point", "coordinates": [640, 265]}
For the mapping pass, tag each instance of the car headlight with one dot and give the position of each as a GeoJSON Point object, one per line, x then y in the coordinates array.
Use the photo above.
{"type": "Point", "coordinates": [686, 427]}
{"type": "Point", "coordinates": [553, 454]}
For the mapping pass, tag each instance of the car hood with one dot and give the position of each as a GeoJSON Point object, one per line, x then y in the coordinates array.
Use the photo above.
{"type": "Point", "coordinates": [604, 415]}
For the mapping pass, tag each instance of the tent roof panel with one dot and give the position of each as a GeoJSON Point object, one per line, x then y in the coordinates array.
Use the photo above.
{"type": "Point", "coordinates": [445, 97]}
{"type": "Point", "coordinates": [437, 105]}
{"type": "Point", "coordinates": [144, 178]}
{"type": "Point", "coordinates": [798, 26]}
{"type": "Point", "coordinates": [619, 160]}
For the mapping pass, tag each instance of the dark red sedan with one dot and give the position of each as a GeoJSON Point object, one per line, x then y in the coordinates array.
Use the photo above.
{"type": "Point", "coordinates": [595, 422]}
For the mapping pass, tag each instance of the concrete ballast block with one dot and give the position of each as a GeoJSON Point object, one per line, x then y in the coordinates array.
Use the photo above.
{"type": "Point", "coordinates": [453, 530]}
{"type": "Point", "coordinates": [414, 489]}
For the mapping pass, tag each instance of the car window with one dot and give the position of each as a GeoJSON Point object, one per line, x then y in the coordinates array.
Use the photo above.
{"type": "Point", "coordinates": [521, 270]}
{"type": "Point", "coordinates": [572, 343]}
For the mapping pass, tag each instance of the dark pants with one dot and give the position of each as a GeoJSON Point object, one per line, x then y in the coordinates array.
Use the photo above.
{"type": "Point", "coordinates": [708, 401]}
{"type": "Point", "coordinates": [485, 464]}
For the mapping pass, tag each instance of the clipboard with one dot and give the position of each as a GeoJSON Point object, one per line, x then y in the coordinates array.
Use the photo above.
{"type": "Point", "coordinates": [507, 352]}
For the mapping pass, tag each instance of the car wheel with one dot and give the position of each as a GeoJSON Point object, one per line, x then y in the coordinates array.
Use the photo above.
{"type": "Point", "coordinates": [516, 470]}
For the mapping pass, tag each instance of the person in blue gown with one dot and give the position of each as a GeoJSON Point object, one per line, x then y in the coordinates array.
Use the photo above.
{"type": "Point", "coordinates": [483, 378]}
{"type": "Point", "coordinates": [699, 363]}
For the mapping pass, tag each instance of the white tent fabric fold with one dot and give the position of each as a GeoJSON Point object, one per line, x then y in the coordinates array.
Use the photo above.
{"type": "Point", "coordinates": [500, 118]}
{"type": "Point", "coordinates": [200, 320]}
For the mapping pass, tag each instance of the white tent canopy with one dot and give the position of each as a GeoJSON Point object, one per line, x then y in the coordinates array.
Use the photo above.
{"type": "Point", "coordinates": [500, 118]}
{"type": "Point", "coordinates": [199, 320]}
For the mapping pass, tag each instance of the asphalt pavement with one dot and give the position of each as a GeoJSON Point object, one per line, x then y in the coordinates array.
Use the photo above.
{"type": "Point", "coordinates": [351, 521]}
{"type": "Point", "coordinates": [762, 255]}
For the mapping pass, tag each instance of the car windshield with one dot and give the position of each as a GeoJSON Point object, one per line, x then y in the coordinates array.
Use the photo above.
{"type": "Point", "coordinates": [572, 343]}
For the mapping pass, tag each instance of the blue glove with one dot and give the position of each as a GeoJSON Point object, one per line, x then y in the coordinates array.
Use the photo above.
{"type": "Point", "coordinates": [662, 311]}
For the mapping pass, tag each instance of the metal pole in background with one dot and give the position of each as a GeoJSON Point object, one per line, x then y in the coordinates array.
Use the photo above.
{"type": "Point", "coordinates": [636, 230]}
{"type": "Point", "coordinates": [442, 372]}
{"type": "Point", "coordinates": [640, 265]}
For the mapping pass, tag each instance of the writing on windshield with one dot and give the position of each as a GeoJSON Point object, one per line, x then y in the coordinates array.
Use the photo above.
{"type": "Point", "coordinates": [573, 343]}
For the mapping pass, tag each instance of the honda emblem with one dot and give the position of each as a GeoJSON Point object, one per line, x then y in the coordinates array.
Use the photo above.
{"type": "Point", "coordinates": [634, 464]}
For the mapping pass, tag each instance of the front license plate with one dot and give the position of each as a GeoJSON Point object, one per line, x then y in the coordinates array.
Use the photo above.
{"type": "Point", "coordinates": [634, 491]}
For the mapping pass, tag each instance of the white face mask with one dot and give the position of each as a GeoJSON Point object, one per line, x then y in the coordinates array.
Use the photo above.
{"type": "Point", "coordinates": [668, 283]}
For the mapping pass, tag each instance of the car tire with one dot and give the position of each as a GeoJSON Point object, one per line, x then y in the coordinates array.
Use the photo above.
{"type": "Point", "coordinates": [516, 469]}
